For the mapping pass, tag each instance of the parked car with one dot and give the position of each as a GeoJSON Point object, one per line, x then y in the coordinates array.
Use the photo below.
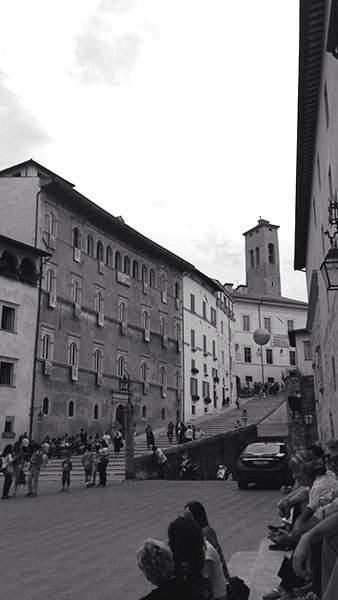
{"type": "Point", "coordinates": [264, 462]}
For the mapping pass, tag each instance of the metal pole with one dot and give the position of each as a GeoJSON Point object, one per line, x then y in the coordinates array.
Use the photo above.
{"type": "Point", "coordinates": [129, 460]}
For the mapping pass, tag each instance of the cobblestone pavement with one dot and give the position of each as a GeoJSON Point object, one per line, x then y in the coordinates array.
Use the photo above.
{"type": "Point", "coordinates": [81, 545]}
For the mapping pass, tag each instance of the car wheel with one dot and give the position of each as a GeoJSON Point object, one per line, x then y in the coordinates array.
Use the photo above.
{"type": "Point", "coordinates": [243, 485]}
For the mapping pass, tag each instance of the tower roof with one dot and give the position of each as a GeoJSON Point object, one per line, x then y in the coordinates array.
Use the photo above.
{"type": "Point", "coordinates": [261, 223]}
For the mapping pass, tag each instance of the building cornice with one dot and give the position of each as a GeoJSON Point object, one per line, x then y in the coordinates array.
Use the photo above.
{"type": "Point", "coordinates": [311, 43]}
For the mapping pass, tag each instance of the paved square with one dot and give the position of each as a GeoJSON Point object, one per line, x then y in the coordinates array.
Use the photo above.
{"type": "Point", "coordinates": [82, 544]}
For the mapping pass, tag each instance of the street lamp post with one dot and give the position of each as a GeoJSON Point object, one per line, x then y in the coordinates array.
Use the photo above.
{"type": "Point", "coordinates": [125, 386]}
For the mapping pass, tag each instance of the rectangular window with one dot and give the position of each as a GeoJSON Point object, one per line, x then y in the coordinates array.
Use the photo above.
{"type": "Point", "coordinates": [267, 323]}
{"type": "Point", "coordinates": [292, 358]}
{"type": "Point", "coordinates": [205, 389]}
{"type": "Point", "coordinates": [193, 386]}
{"type": "Point", "coordinates": [307, 351]}
{"type": "Point", "coordinates": [205, 369]}
{"type": "Point", "coordinates": [222, 357]}
{"type": "Point", "coordinates": [192, 339]}
{"type": "Point", "coordinates": [7, 317]}
{"type": "Point", "coordinates": [222, 327]}
{"type": "Point", "coordinates": [246, 323]}
{"type": "Point", "coordinates": [193, 409]}
{"type": "Point", "coordinates": [192, 302]}
{"type": "Point", "coordinates": [205, 345]}
{"type": "Point", "coordinates": [290, 325]}
{"type": "Point", "coordinates": [214, 356]}
{"type": "Point", "coordinates": [213, 316]}
{"type": "Point", "coordinates": [247, 354]}
{"type": "Point", "coordinates": [204, 309]}
{"type": "Point", "coordinates": [6, 373]}
{"type": "Point", "coordinates": [9, 425]}
{"type": "Point", "coordinates": [269, 357]}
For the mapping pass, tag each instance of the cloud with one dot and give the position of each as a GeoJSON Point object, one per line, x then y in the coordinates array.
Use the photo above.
{"type": "Point", "coordinates": [107, 49]}
{"type": "Point", "coordinates": [20, 132]}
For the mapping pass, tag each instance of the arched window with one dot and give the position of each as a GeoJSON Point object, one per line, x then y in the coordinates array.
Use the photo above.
{"type": "Point", "coordinates": [177, 379]}
{"type": "Point", "coordinates": [162, 283]}
{"type": "Point", "coordinates": [163, 326]}
{"type": "Point", "coordinates": [71, 408]}
{"type": "Point", "coordinates": [144, 371]}
{"type": "Point", "coordinates": [123, 312]}
{"type": "Point", "coordinates": [163, 414]}
{"type": "Point", "coordinates": [76, 292]}
{"type": "Point", "coordinates": [72, 354]}
{"type": "Point", "coordinates": [50, 281]}
{"type": "Point", "coordinates": [99, 251]}
{"type": "Point", "coordinates": [98, 302]}
{"type": "Point", "coordinates": [152, 278]}
{"type": "Point", "coordinates": [45, 406]}
{"type": "Point", "coordinates": [271, 254]}
{"type": "Point", "coordinates": [76, 237]}
{"type": "Point", "coordinates": [135, 269]}
{"type": "Point", "coordinates": [252, 258]}
{"type": "Point", "coordinates": [126, 265]}
{"type": "Point", "coordinates": [97, 360]}
{"type": "Point", "coordinates": [8, 265]}
{"type": "Point", "coordinates": [121, 366]}
{"type": "Point", "coordinates": [52, 223]}
{"type": "Point", "coordinates": [177, 330]}
{"type": "Point", "coordinates": [257, 255]}
{"type": "Point", "coordinates": [144, 412]}
{"type": "Point", "coordinates": [109, 256]}
{"type": "Point", "coordinates": [90, 245]}
{"type": "Point", "coordinates": [46, 346]}
{"type": "Point", "coordinates": [145, 320]}
{"type": "Point", "coordinates": [118, 260]}
{"type": "Point", "coordinates": [144, 274]}
{"type": "Point", "coordinates": [96, 412]}
{"type": "Point", "coordinates": [28, 271]}
{"type": "Point", "coordinates": [162, 376]}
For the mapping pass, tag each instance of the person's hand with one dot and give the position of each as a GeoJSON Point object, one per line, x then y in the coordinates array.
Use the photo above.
{"type": "Point", "coordinates": [301, 561]}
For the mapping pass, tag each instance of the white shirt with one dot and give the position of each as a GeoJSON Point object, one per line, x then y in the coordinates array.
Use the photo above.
{"type": "Point", "coordinates": [218, 581]}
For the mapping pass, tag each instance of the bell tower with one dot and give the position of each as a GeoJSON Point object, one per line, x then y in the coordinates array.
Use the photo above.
{"type": "Point", "coordinates": [262, 260]}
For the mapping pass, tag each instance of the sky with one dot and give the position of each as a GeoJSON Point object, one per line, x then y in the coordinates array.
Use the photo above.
{"type": "Point", "coordinates": [179, 115]}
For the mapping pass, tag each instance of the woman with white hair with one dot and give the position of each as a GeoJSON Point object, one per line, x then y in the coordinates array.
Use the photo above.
{"type": "Point", "coordinates": [155, 560]}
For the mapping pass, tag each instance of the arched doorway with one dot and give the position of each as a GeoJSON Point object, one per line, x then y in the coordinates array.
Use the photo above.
{"type": "Point", "coordinates": [119, 416]}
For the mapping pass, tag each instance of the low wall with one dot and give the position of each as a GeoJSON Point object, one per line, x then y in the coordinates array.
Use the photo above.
{"type": "Point", "coordinates": [221, 449]}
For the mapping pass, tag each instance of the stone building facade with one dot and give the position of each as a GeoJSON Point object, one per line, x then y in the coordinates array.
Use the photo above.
{"type": "Point", "coordinates": [111, 302]}
{"type": "Point", "coordinates": [316, 188]}
{"type": "Point", "coordinates": [20, 267]}
{"type": "Point", "coordinates": [260, 305]}
{"type": "Point", "coordinates": [208, 324]}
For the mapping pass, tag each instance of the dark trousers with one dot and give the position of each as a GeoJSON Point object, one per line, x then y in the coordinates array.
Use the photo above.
{"type": "Point", "coordinates": [102, 473]}
{"type": "Point", "coordinates": [7, 484]}
{"type": "Point", "coordinates": [170, 436]}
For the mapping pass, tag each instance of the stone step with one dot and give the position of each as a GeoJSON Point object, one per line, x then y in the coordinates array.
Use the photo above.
{"type": "Point", "coordinates": [258, 409]}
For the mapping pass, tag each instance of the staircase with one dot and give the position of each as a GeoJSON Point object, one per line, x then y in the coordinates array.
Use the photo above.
{"type": "Point", "coordinates": [258, 409]}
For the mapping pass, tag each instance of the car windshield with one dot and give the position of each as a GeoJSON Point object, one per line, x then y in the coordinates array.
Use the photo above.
{"type": "Point", "coordinates": [263, 449]}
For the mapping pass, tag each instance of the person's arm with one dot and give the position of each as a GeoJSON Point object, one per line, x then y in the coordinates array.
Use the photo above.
{"type": "Point", "coordinates": [302, 554]}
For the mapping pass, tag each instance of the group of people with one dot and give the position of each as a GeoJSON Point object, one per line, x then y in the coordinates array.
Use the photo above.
{"type": "Point", "coordinates": [22, 462]}
{"type": "Point", "coordinates": [191, 566]}
{"type": "Point", "coordinates": [309, 533]}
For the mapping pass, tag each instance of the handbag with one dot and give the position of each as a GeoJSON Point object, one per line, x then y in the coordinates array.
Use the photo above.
{"type": "Point", "coordinates": [237, 589]}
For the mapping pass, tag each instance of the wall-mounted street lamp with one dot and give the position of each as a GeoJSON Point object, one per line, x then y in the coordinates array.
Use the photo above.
{"type": "Point", "coordinates": [329, 267]}
{"type": "Point", "coordinates": [39, 416]}
{"type": "Point", "coordinates": [125, 386]}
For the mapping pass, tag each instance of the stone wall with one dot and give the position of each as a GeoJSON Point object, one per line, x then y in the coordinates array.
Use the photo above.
{"type": "Point", "coordinates": [302, 434]}
{"type": "Point", "coordinates": [210, 452]}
